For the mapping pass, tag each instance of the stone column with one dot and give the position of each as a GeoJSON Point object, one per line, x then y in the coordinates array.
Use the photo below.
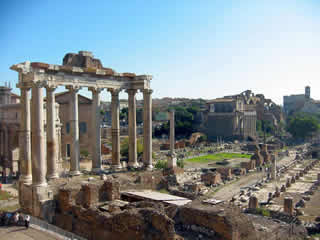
{"type": "Point", "coordinates": [147, 128]}
{"type": "Point", "coordinates": [25, 137]}
{"type": "Point", "coordinates": [96, 134]}
{"type": "Point", "coordinates": [74, 127]}
{"type": "Point", "coordinates": [115, 108]}
{"type": "Point", "coordinates": [6, 149]}
{"type": "Point", "coordinates": [132, 128]}
{"type": "Point", "coordinates": [52, 147]}
{"type": "Point", "coordinates": [288, 205]}
{"type": "Point", "coordinates": [172, 158]}
{"type": "Point", "coordinates": [39, 166]}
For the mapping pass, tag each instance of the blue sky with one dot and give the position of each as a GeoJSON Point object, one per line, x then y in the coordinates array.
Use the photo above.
{"type": "Point", "coordinates": [193, 49]}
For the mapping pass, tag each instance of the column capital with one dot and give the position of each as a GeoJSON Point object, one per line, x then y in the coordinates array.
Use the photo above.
{"type": "Point", "coordinates": [73, 88]}
{"type": "Point", "coordinates": [51, 87]}
{"type": "Point", "coordinates": [23, 86]}
{"type": "Point", "coordinates": [131, 91]}
{"type": "Point", "coordinates": [147, 91]}
{"type": "Point", "coordinates": [114, 91]}
{"type": "Point", "coordinates": [95, 89]}
{"type": "Point", "coordinates": [39, 84]}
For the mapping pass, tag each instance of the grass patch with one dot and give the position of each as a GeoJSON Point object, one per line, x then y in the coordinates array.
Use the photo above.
{"type": "Point", "coordinates": [217, 157]}
{"type": "Point", "coordinates": [4, 195]}
{"type": "Point", "coordinates": [163, 190]}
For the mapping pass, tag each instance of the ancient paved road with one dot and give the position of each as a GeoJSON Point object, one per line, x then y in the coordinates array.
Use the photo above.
{"type": "Point", "coordinates": [232, 189]}
{"type": "Point", "coordinates": [21, 233]}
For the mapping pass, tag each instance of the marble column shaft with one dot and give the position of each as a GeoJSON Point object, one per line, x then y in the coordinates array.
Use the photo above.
{"type": "Point", "coordinates": [172, 137]}
{"type": "Point", "coordinates": [25, 137]}
{"type": "Point", "coordinates": [132, 128]}
{"type": "Point", "coordinates": [6, 145]}
{"type": "Point", "coordinates": [52, 143]}
{"type": "Point", "coordinates": [74, 130]}
{"type": "Point", "coordinates": [39, 166]}
{"type": "Point", "coordinates": [115, 108]}
{"type": "Point", "coordinates": [96, 133]}
{"type": "Point", "coordinates": [147, 128]}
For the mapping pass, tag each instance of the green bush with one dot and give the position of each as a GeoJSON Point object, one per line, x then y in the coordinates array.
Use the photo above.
{"type": "Point", "coordinates": [84, 152]}
{"type": "Point", "coordinates": [180, 163]}
{"type": "Point", "coordinates": [264, 212]}
{"type": "Point", "coordinates": [161, 164]}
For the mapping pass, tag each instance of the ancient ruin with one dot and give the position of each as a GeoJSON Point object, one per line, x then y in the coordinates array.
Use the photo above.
{"type": "Point", "coordinates": [78, 70]}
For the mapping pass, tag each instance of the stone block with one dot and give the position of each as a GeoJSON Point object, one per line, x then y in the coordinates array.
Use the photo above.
{"type": "Point", "coordinates": [110, 191]}
{"type": "Point", "coordinates": [211, 178]}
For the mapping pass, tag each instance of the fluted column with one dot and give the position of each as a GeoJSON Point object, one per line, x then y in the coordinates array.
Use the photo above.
{"type": "Point", "coordinates": [115, 108]}
{"type": "Point", "coordinates": [96, 134]}
{"type": "Point", "coordinates": [39, 166]}
{"type": "Point", "coordinates": [147, 128]}
{"type": "Point", "coordinates": [25, 137]}
{"type": "Point", "coordinates": [132, 128]}
{"type": "Point", "coordinates": [52, 147]}
{"type": "Point", "coordinates": [74, 127]}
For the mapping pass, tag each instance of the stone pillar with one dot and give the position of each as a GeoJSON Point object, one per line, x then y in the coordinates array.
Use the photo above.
{"type": "Point", "coordinates": [39, 166]}
{"type": "Point", "coordinates": [115, 108]}
{"type": "Point", "coordinates": [6, 151]}
{"type": "Point", "coordinates": [172, 158]}
{"type": "Point", "coordinates": [52, 147]}
{"type": "Point", "coordinates": [318, 177]}
{"type": "Point", "coordinates": [288, 205]}
{"type": "Point", "coordinates": [274, 167]}
{"type": "Point", "coordinates": [25, 137]}
{"type": "Point", "coordinates": [253, 202]}
{"type": "Point", "coordinates": [74, 127]}
{"type": "Point", "coordinates": [132, 128]}
{"type": "Point", "coordinates": [147, 128]}
{"type": "Point", "coordinates": [96, 136]}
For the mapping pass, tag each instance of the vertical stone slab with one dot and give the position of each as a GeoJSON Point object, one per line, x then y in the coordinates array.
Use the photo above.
{"type": "Point", "coordinates": [132, 128]}
{"type": "Point", "coordinates": [253, 202]}
{"type": "Point", "coordinates": [96, 143]}
{"type": "Point", "coordinates": [115, 108]}
{"type": "Point", "coordinates": [74, 127]}
{"type": "Point", "coordinates": [39, 166]}
{"type": "Point", "coordinates": [288, 205]}
{"type": "Point", "coordinates": [52, 148]}
{"type": "Point", "coordinates": [147, 128]}
{"type": "Point", "coordinates": [25, 136]}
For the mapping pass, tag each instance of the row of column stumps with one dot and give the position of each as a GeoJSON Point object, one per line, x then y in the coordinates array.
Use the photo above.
{"type": "Point", "coordinates": [288, 201]}
{"type": "Point", "coordinates": [37, 170]}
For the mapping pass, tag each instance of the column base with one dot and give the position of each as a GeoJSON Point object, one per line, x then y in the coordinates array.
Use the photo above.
{"type": "Point", "coordinates": [53, 176]}
{"type": "Point", "coordinates": [133, 164]}
{"type": "Point", "coordinates": [115, 167]}
{"type": "Point", "coordinates": [25, 178]}
{"type": "Point", "coordinates": [148, 167]}
{"type": "Point", "coordinates": [96, 170]}
{"type": "Point", "coordinates": [75, 173]}
{"type": "Point", "coordinates": [38, 185]}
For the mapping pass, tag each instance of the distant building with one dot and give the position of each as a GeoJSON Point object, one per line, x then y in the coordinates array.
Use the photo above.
{"type": "Point", "coordinates": [230, 117]}
{"type": "Point", "coordinates": [301, 103]}
{"type": "Point", "coordinates": [235, 116]}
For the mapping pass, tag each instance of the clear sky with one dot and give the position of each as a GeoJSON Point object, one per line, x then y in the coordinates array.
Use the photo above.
{"type": "Point", "coordinates": [193, 48]}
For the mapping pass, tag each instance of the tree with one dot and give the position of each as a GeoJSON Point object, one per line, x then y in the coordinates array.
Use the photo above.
{"type": "Point", "coordinates": [302, 126]}
{"type": "Point", "coordinates": [124, 148]}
